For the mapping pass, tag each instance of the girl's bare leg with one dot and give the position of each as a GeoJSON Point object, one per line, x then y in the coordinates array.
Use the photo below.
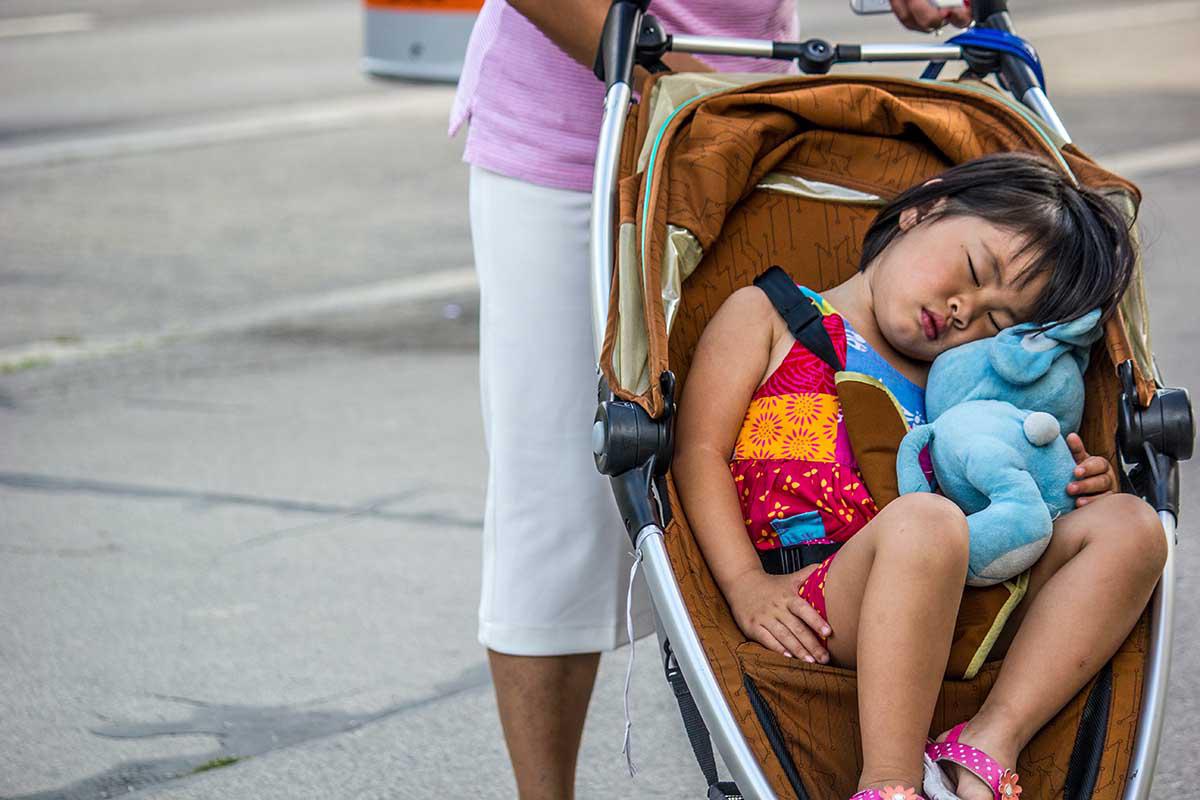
{"type": "Point", "coordinates": [1085, 595]}
{"type": "Point", "coordinates": [892, 596]}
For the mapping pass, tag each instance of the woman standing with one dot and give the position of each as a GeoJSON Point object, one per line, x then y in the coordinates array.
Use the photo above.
{"type": "Point", "coordinates": [554, 550]}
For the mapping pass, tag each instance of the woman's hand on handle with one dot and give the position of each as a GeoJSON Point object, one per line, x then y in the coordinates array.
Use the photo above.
{"type": "Point", "coordinates": [923, 15]}
{"type": "Point", "coordinates": [770, 611]}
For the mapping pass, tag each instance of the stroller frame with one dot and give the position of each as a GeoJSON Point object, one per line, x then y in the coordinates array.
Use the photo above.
{"type": "Point", "coordinates": [635, 450]}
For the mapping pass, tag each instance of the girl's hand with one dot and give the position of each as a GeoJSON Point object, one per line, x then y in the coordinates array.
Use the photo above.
{"type": "Point", "coordinates": [1093, 477]}
{"type": "Point", "coordinates": [770, 611]}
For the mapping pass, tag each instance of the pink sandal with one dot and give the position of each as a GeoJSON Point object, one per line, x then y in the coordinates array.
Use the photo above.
{"type": "Point", "coordinates": [1002, 782]}
{"type": "Point", "coordinates": [888, 793]}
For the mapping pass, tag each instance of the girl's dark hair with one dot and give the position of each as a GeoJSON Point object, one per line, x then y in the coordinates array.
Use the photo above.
{"type": "Point", "coordinates": [1077, 238]}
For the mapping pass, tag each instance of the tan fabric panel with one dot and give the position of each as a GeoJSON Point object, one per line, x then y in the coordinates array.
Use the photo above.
{"type": "Point", "coordinates": [876, 426]}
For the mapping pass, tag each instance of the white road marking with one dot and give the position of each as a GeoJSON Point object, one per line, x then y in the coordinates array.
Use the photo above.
{"type": "Point", "coordinates": [1100, 20]}
{"type": "Point", "coordinates": [1138, 163]}
{"type": "Point", "coordinates": [404, 104]}
{"type": "Point", "coordinates": [48, 23]}
{"type": "Point", "coordinates": [426, 286]}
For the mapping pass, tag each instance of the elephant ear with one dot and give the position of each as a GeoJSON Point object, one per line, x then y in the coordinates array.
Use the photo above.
{"type": "Point", "coordinates": [1081, 334]}
{"type": "Point", "coordinates": [1022, 354]}
{"type": "Point", "coordinates": [875, 425]}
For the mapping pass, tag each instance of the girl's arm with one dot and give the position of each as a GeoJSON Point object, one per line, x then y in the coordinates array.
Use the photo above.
{"type": "Point", "coordinates": [730, 362]}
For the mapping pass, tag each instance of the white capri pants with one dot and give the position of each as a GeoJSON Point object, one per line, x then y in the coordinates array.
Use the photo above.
{"type": "Point", "coordinates": [555, 555]}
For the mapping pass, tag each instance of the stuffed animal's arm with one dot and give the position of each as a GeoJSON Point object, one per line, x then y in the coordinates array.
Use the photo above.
{"type": "Point", "coordinates": [909, 475]}
{"type": "Point", "coordinates": [1013, 531]}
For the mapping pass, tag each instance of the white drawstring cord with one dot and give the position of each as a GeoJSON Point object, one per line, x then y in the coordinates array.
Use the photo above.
{"type": "Point", "coordinates": [627, 745]}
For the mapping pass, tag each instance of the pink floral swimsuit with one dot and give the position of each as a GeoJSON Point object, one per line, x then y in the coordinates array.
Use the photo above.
{"type": "Point", "coordinates": [797, 479]}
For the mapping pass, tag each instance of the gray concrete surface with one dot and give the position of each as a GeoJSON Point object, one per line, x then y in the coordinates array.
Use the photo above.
{"type": "Point", "coordinates": [263, 545]}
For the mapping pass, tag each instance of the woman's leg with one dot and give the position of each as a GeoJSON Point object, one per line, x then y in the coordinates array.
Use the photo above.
{"type": "Point", "coordinates": [555, 567]}
{"type": "Point", "coordinates": [1085, 595]}
{"type": "Point", "coordinates": [892, 596]}
{"type": "Point", "coordinates": [543, 701]}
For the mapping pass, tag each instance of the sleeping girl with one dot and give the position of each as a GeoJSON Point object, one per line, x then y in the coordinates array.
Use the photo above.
{"type": "Point", "coordinates": [761, 444]}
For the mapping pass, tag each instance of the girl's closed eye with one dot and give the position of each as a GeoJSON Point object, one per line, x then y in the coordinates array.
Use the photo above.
{"type": "Point", "coordinates": [975, 280]}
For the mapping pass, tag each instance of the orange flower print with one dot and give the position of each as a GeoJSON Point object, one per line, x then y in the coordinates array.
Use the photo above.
{"type": "Point", "coordinates": [828, 427]}
{"type": "Point", "coordinates": [765, 429]}
{"type": "Point", "coordinates": [801, 445]}
{"type": "Point", "coordinates": [1009, 788]}
{"type": "Point", "coordinates": [897, 793]}
{"type": "Point", "coordinates": [800, 409]}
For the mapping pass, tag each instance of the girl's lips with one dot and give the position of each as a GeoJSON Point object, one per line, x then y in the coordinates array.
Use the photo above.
{"type": "Point", "coordinates": [930, 325]}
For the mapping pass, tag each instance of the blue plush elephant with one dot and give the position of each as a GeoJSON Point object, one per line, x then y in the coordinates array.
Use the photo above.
{"type": "Point", "coordinates": [999, 410]}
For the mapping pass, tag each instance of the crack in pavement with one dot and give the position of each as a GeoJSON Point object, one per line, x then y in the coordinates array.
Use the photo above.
{"type": "Point", "coordinates": [48, 483]}
{"type": "Point", "coordinates": [244, 731]}
{"type": "Point", "coordinates": [61, 552]}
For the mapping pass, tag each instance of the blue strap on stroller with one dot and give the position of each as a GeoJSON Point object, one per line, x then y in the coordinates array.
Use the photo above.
{"type": "Point", "coordinates": [995, 41]}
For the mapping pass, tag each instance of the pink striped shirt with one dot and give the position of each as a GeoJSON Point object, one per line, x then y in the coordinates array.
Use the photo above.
{"type": "Point", "coordinates": [535, 113]}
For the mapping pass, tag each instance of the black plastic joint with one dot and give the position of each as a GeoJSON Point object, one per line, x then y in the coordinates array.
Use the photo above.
{"type": "Point", "coordinates": [848, 53]}
{"type": "Point", "coordinates": [1155, 439]}
{"type": "Point", "coordinates": [813, 56]}
{"type": "Point", "coordinates": [634, 493]}
{"type": "Point", "coordinates": [725, 790]}
{"type": "Point", "coordinates": [618, 42]}
{"type": "Point", "coordinates": [652, 43]}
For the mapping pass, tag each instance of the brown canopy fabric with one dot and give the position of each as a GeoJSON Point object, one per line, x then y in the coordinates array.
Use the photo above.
{"type": "Point", "coordinates": [691, 185]}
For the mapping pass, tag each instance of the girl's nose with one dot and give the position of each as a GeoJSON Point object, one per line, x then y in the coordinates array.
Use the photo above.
{"type": "Point", "coordinates": [958, 313]}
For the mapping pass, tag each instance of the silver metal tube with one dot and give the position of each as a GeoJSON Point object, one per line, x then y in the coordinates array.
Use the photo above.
{"type": "Point", "coordinates": [693, 661]}
{"type": "Point", "coordinates": [604, 205]}
{"type": "Point", "coordinates": [1158, 667]}
{"type": "Point", "coordinates": [1036, 99]}
{"type": "Point", "coordinates": [722, 45]}
{"type": "Point", "coordinates": [910, 52]}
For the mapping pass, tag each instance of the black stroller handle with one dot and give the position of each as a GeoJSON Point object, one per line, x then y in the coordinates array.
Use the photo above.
{"type": "Point", "coordinates": [618, 41]}
{"type": "Point", "coordinates": [1018, 76]}
{"type": "Point", "coordinates": [983, 10]}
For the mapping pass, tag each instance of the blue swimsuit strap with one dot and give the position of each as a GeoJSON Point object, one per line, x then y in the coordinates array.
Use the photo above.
{"type": "Point", "coordinates": [996, 41]}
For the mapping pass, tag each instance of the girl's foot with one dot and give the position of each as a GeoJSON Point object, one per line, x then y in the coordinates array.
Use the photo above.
{"type": "Point", "coordinates": [969, 786]}
{"type": "Point", "coordinates": [888, 793]}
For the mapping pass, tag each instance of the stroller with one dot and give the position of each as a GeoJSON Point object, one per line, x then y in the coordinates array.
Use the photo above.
{"type": "Point", "coordinates": [805, 160]}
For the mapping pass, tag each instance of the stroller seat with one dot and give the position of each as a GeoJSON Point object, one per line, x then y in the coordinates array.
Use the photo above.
{"type": "Point", "coordinates": [719, 179]}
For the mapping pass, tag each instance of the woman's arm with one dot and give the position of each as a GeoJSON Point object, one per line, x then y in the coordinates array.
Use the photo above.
{"type": "Point", "coordinates": [729, 364]}
{"type": "Point", "coordinates": [575, 25]}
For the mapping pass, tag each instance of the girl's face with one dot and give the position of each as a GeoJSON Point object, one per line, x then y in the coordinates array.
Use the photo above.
{"type": "Point", "coordinates": [949, 281]}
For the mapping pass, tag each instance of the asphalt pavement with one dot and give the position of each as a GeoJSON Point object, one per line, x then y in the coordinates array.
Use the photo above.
{"type": "Point", "coordinates": [241, 469]}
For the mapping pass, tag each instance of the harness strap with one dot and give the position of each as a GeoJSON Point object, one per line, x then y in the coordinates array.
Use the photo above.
{"type": "Point", "coordinates": [693, 723]}
{"type": "Point", "coordinates": [786, 560]}
{"type": "Point", "coordinates": [800, 313]}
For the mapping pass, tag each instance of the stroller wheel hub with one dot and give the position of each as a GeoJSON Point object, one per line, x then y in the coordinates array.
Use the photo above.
{"type": "Point", "coordinates": [598, 438]}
